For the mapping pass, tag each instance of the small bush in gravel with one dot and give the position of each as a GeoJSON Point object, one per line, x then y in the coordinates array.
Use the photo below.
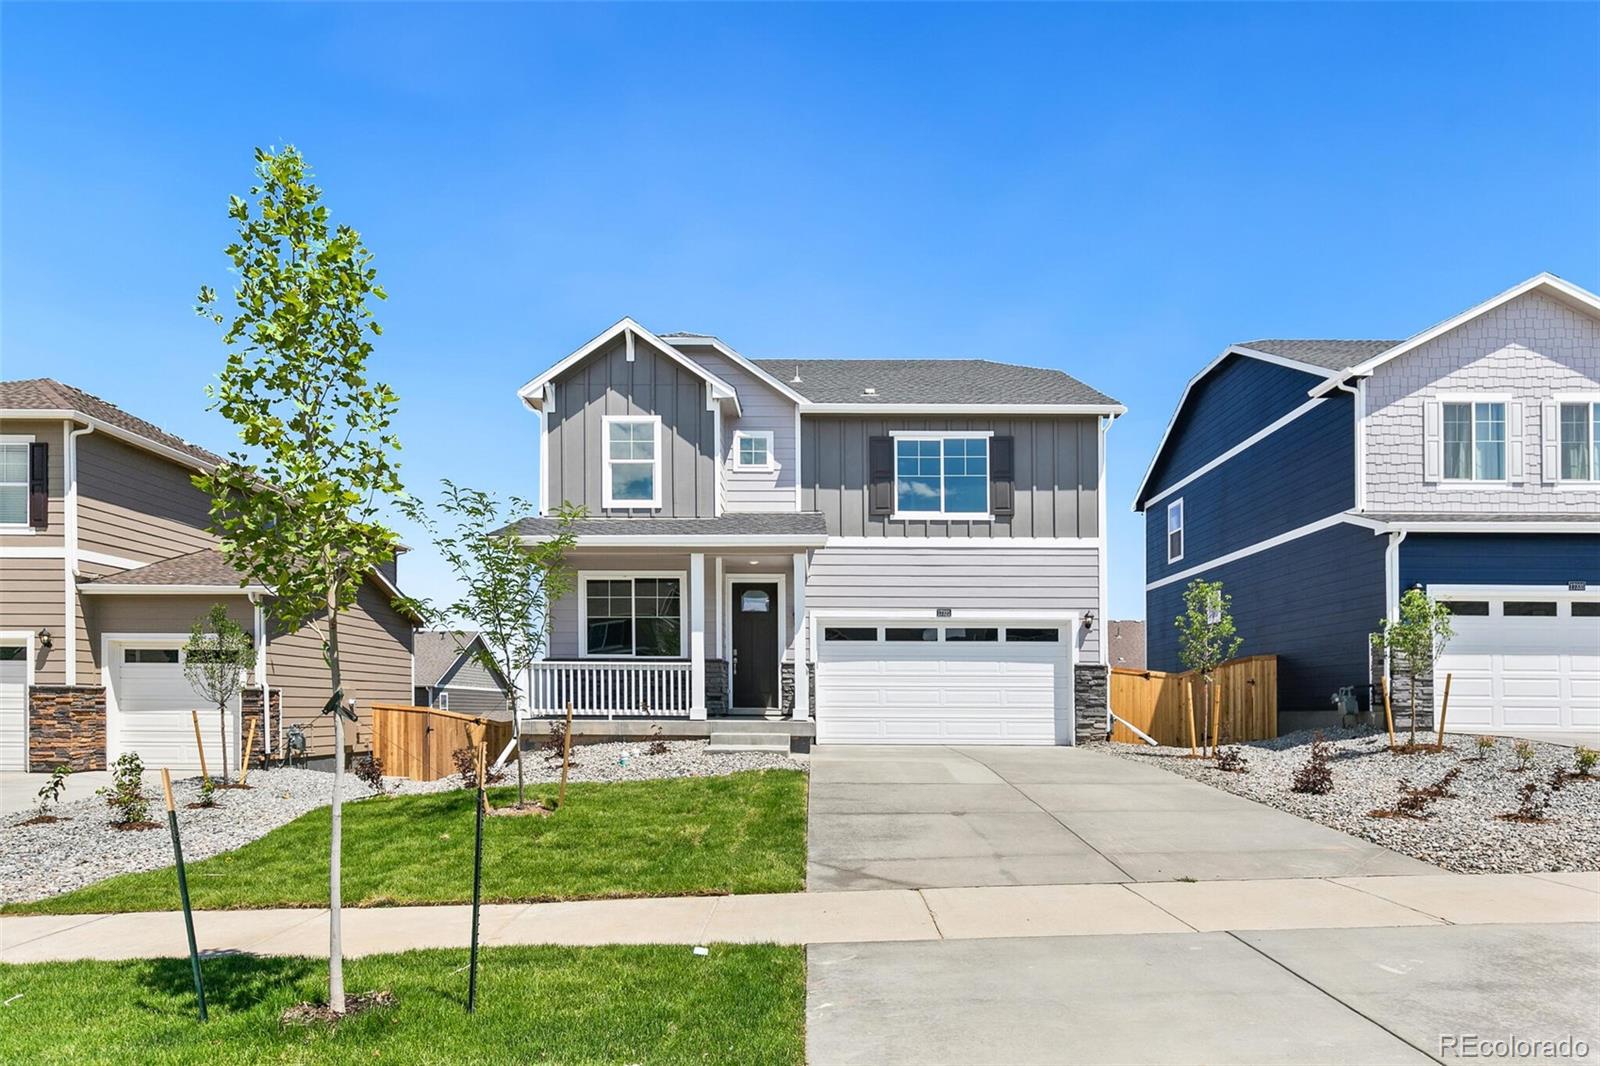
{"type": "Point", "coordinates": [658, 746]}
{"type": "Point", "coordinates": [1413, 802]}
{"type": "Point", "coordinates": [557, 741]}
{"type": "Point", "coordinates": [1485, 745]}
{"type": "Point", "coordinates": [1230, 760]}
{"type": "Point", "coordinates": [208, 793]}
{"type": "Point", "coordinates": [1316, 776]}
{"type": "Point", "coordinates": [130, 807]}
{"type": "Point", "coordinates": [1585, 760]}
{"type": "Point", "coordinates": [1533, 805]}
{"type": "Point", "coordinates": [368, 769]}
{"type": "Point", "coordinates": [50, 794]}
{"type": "Point", "coordinates": [1524, 752]}
{"type": "Point", "coordinates": [467, 768]}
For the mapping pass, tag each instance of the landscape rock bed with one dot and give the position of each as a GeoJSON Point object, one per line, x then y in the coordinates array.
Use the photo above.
{"type": "Point", "coordinates": [82, 847]}
{"type": "Point", "coordinates": [1463, 834]}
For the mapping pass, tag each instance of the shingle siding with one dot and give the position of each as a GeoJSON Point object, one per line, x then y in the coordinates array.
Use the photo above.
{"type": "Point", "coordinates": [1239, 397]}
{"type": "Point", "coordinates": [1499, 559]}
{"type": "Point", "coordinates": [1311, 602]}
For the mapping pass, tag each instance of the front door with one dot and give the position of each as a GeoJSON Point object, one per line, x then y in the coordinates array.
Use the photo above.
{"type": "Point", "coordinates": [755, 645]}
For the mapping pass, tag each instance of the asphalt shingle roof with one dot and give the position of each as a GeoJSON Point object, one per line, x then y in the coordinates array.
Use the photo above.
{"type": "Point", "coordinates": [739, 525]}
{"type": "Point", "coordinates": [955, 381]}
{"type": "Point", "coordinates": [47, 394]}
{"type": "Point", "coordinates": [205, 567]}
{"type": "Point", "coordinates": [1334, 355]}
{"type": "Point", "coordinates": [436, 651]}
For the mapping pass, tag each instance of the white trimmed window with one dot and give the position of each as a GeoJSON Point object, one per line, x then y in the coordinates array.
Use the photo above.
{"type": "Point", "coordinates": [1474, 440]}
{"type": "Point", "coordinates": [14, 481]}
{"type": "Point", "coordinates": [631, 616]}
{"type": "Point", "coordinates": [941, 475]}
{"type": "Point", "coordinates": [752, 449]}
{"type": "Point", "coordinates": [633, 461]}
{"type": "Point", "coordinates": [1579, 454]}
{"type": "Point", "coordinates": [1175, 530]}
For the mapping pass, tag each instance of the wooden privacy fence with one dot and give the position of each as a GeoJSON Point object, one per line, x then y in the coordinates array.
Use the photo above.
{"type": "Point", "coordinates": [420, 742]}
{"type": "Point", "coordinates": [1153, 701]}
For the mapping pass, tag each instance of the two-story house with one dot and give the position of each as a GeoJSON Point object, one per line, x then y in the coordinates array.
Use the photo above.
{"type": "Point", "coordinates": [910, 551]}
{"type": "Point", "coordinates": [106, 561]}
{"type": "Point", "coordinates": [1319, 479]}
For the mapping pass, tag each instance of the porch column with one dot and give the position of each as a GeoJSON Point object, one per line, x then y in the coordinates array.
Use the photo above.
{"type": "Point", "coordinates": [697, 635]}
{"type": "Point", "coordinates": [802, 676]}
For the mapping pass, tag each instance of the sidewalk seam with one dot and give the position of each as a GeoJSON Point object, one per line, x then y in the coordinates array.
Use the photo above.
{"type": "Point", "coordinates": [1405, 906]}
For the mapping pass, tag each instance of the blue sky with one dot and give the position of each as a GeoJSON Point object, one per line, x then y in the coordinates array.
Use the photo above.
{"type": "Point", "coordinates": [1119, 191]}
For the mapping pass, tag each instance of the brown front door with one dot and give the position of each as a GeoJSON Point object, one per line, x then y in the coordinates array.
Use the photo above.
{"type": "Point", "coordinates": [755, 645]}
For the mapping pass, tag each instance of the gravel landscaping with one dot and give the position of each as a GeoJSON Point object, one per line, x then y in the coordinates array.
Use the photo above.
{"type": "Point", "coordinates": [1463, 833]}
{"type": "Point", "coordinates": [81, 848]}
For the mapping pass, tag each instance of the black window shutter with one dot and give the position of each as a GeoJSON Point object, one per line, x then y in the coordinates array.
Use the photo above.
{"type": "Point", "coordinates": [38, 485]}
{"type": "Point", "coordinates": [880, 487]}
{"type": "Point", "coordinates": [1002, 475]}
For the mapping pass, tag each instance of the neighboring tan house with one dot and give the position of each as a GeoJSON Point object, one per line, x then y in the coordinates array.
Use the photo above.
{"type": "Point", "coordinates": [1319, 480]}
{"type": "Point", "coordinates": [451, 675]}
{"type": "Point", "coordinates": [907, 550]}
{"type": "Point", "coordinates": [1127, 644]}
{"type": "Point", "coordinates": [105, 564]}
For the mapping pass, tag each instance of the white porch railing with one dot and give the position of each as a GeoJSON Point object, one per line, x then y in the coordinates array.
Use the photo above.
{"type": "Point", "coordinates": [611, 689]}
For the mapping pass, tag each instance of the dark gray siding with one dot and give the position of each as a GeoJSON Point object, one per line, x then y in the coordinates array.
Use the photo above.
{"type": "Point", "coordinates": [607, 384]}
{"type": "Point", "coordinates": [1057, 476]}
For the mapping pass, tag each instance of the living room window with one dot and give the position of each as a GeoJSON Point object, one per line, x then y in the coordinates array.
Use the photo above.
{"type": "Point", "coordinates": [633, 460]}
{"type": "Point", "coordinates": [633, 616]}
{"type": "Point", "coordinates": [941, 476]}
{"type": "Point", "coordinates": [1475, 441]}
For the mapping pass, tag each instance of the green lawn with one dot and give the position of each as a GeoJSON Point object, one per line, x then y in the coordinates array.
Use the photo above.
{"type": "Point", "coordinates": [654, 1004]}
{"type": "Point", "coordinates": [743, 832]}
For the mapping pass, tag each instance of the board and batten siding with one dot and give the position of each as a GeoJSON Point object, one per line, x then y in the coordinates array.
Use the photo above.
{"type": "Point", "coordinates": [653, 384]}
{"type": "Point", "coordinates": [764, 409]}
{"type": "Point", "coordinates": [925, 577]}
{"type": "Point", "coordinates": [138, 506]}
{"type": "Point", "coordinates": [1057, 476]}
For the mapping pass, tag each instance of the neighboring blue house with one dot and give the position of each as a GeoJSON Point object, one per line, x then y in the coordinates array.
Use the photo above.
{"type": "Point", "coordinates": [1318, 479]}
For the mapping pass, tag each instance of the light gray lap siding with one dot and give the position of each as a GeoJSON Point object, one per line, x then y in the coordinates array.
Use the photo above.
{"type": "Point", "coordinates": [1057, 476]}
{"type": "Point", "coordinates": [926, 577]}
{"type": "Point", "coordinates": [653, 384]}
{"type": "Point", "coordinates": [764, 409]}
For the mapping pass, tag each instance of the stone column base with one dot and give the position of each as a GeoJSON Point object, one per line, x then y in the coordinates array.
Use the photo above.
{"type": "Point", "coordinates": [66, 727]}
{"type": "Point", "coordinates": [1089, 700]}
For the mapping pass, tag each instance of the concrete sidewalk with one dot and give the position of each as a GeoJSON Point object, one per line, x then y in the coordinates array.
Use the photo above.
{"type": "Point", "coordinates": [840, 917]}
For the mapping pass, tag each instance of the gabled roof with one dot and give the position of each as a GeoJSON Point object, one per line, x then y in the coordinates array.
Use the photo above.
{"type": "Point", "coordinates": [438, 652]}
{"type": "Point", "coordinates": [533, 393]}
{"type": "Point", "coordinates": [48, 398]}
{"type": "Point", "coordinates": [706, 340]}
{"type": "Point", "coordinates": [1329, 355]}
{"type": "Point", "coordinates": [954, 382]}
{"type": "Point", "coordinates": [200, 570]}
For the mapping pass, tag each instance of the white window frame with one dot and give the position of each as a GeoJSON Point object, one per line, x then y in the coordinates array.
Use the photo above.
{"type": "Point", "coordinates": [441, 700]}
{"type": "Point", "coordinates": [1592, 401]}
{"type": "Point", "coordinates": [764, 435]}
{"type": "Point", "coordinates": [586, 576]}
{"type": "Point", "coordinates": [985, 515]}
{"type": "Point", "coordinates": [1183, 538]}
{"type": "Point", "coordinates": [26, 525]}
{"type": "Point", "coordinates": [1473, 400]}
{"type": "Point", "coordinates": [607, 499]}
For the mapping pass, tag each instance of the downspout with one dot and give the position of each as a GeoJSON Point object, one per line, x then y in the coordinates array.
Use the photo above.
{"type": "Point", "coordinates": [261, 674]}
{"type": "Point", "coordinates": [69, 630]}
{"type": "Point", "coordinates": [1358, 392]}
{"type": "Point", "coordinates": [1105, 577]}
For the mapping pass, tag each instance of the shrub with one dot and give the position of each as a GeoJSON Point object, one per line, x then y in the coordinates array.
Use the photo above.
{"type": "Point", "coordinates": [658, 746]}
{"type": "Point", "coordinates": [1485, 746]}
{"type": "Point", "coordinates": [208, 793]}
{"type": "Point", "coordinates": [1533, 806]}
{"type": "Point", "coordinates": [369, 769]}
{"type": "Point", "coordinates": [1230, 760]}
{"type": "Point", "coordinates": [50, 792]}
{"type": "Point", "coordinates": [1524, 752]}
{"type": "Point", "coordinates": [556, 742]}
{"type": "Point", "coordinates": [1585, 760]}
{"type": "Point", "coordinates": [125, 795]}
{"type": "Point", "coordinates": [1316, 776]}
{"type": "Point", "coordinates": [466, 761]}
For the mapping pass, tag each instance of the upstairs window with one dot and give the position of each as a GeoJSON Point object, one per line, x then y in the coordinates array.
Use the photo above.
{"type": "Point", "coordinates": [941, 476]}
{"type": "Point", "coordinates": [1580, 444]}
{"type": "Point", "coordinates": [633, 461]}
{"type": "Point", "coordinates": [1475, 441]}
{"type": "Point", "coordinates": [752, 450]}
{"type": "Point", "coordinates": [14, 482]}
{"type": "Point", "coordinates": [1175, 530]}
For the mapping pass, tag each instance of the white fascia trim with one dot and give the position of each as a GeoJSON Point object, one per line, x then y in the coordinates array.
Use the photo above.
{"type": "Point", "coordinates": [1249, 442]}
{"type": "Point", "coordinates": [1558, 287]}
{"type": "Point", "coordinates": [700, 341]}
{"type": "Point", "coordinates": [544, 463]}
{"type": "Point", "coordinates": [11, 551]}
{"type": "Point", "coordinates": [1531, 526]}
{"type": "Point", "coordinates": [1183, 398]}
{"type": "Point", "coordinates": [749, 542]}
{"type": "Point", "coordinates": [1102, 555]}
{"type": "Point", "coordinates": [1260, 546]}
{"type": "Point", "coordinates": [938, 545]}
{"type": "Point", "coordinates": [532, 394]}
{"type": "Point", "coordinates": [100, 588]}
{"type": "Point", "coordinates": [940, 434]}
{"type": "Point", "coordinates": [958, 409]}
{"type": "Point", "coordinates": [124, 435]}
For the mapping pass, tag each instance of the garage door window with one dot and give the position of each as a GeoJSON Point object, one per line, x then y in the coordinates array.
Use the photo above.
{"type": "Point", "coordinates": [1477, 608]}
{"type": "Point", "coordinates": [1586, 609]}
{"type": "Point", "coordinates": [12, 653]}
{"type": "Point", "coordinates": [904, 635]}
{"type": "Point", "coordinates": [150, 655]}
{"type": "Point", "coordinates": [966, 635]}
{"type": "Point", "coordinates": [1033, 636]}
{"type": "Point", "coordinates": [844, 634]}
{"type": "Point", "coordinates": [1530, 609]}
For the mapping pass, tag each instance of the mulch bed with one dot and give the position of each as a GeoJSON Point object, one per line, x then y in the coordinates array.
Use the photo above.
{"type": "Point", "coordinates": [322, 1014]}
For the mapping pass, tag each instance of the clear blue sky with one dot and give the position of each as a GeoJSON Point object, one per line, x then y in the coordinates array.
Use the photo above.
{"type": "Point", "coordinates": [1119, 191]}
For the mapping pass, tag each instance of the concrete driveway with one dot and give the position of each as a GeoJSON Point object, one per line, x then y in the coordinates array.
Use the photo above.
{"type": "Point", "coordinates": [936, 817]}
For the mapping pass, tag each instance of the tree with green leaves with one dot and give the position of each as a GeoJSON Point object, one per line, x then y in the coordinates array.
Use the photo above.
{"type": "Point", "coordinates": [507, 586]}
{"type": "Point", "coordinates": [1412, 642]}
{"type": "Point", "coordinates": [1207, 639]}
{"type": "Point", "coordinates": [299, 509]}
{"type": "Point", "coordinates": [215, 659]}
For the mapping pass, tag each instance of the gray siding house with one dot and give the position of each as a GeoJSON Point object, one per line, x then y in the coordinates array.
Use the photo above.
{"type": "Point", "coordinates": [451, 675]}
{"type": "Point", "coordinates": [909, 551]}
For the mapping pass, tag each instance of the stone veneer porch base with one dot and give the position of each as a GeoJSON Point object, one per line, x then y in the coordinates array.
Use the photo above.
{"type": "Point", "coordinates": [66, 727]}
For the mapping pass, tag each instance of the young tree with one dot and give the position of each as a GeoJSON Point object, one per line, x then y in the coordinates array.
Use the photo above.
{"type": "Point", "coordinates": [1412, 642]}
{"type": "Point", "coordinates": [215, 658]}
{"type": "Point", "coordinates": [1206, 637]}
{"type": "Point", "coordinates": [298, 511]}
{"type": "Point", "coordinates": [507, 586]}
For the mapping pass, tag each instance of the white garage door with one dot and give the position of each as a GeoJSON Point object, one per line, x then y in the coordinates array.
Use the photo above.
{"type": "Point", "coordinates": [1522, 661]}
{"type": "Point", "coordinates": [943, 684]}
{"type": "Point", "coordinates": [152, 705]}
{"type": "Point", "coordinates": [13, 706]}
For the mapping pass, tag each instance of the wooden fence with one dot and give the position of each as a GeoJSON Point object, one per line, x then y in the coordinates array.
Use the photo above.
{"type": "Point", "coordinates": [420, 742]}
{"type": "Point", "coordinates": [1153, 701]}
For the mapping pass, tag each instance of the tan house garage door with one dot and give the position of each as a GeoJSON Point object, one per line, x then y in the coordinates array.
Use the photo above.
{"type": "Point", "coordinates": [149, 709]}
{"type": "Point", "coordinates": [13, 706]}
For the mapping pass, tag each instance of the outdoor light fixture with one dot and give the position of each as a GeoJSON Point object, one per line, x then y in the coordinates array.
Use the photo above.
{"type": "Point", "coordinates": [1088, 619]}
{"type": "Point", "coordinates": [44, 637]}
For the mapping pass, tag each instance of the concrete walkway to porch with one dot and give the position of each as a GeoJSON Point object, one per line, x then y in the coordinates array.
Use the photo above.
{"type": "Point", "coordinates": [882, 915]}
